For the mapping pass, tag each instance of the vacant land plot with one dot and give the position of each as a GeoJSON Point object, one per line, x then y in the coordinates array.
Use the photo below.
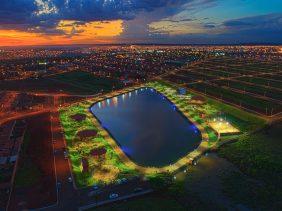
{"type": "Point", "coordinates": [35, 183]}
{"type": "Point", "coordinates": [250, 84]}
{"type": "Point", "coordinates": [77, 82]}
{"type": "Point", "coordinates": [87, 81]}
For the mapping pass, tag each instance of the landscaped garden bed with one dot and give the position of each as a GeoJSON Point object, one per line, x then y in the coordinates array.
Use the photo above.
{"type": "Point", "coordinates": [83, 140]}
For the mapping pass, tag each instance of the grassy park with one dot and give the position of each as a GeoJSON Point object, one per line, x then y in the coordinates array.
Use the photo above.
{"type": "Point", "coordinates": [104, 169]}
{"type": "Point", "coordinates": [85, 137]}
{"type": "Point", "coordinates": [258, 158]}
{"type": "Point", "coordinates": [255, 154]}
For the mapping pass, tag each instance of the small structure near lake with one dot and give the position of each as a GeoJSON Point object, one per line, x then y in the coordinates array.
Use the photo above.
{"type": "Point", "coordinates": [181, 91]}
{"type": "Point", "coordinates": [197, 99]}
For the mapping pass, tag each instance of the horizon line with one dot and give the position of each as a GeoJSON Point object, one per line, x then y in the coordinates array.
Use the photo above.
{"type": "Point", "coordinates": [146, 44]}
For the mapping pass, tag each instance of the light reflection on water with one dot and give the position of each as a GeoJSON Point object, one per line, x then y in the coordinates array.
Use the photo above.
{"type": "Point", "coordinates": [148, 127]}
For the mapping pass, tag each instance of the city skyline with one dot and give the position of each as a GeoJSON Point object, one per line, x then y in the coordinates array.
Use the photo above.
{"type": "Point", "coordinates": [62, 22]}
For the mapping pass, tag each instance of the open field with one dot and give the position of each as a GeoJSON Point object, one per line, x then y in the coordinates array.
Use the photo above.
{"type": "Point", "coordinates": [239, 118]}
{"type": "Point", "coordinates": [114, 164]}
{"type": "Point", "coordinates": [35, 183]}
{"type": "Point", "coordinates": [250, 84]}
{"type": "Point", "coordinates": [259, 157]}
{"type": "Point", "coordinates": [77, 82]}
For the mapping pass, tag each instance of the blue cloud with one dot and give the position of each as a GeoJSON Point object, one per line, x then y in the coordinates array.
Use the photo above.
{"type": "Point", "coordinates": [43, 15]}
{"type": "Point", "coordinates": [270, 21]}
{"type": "Point", "coordinates": [16, 11]}
{"type": "Point", "coordinates": [255, 29]}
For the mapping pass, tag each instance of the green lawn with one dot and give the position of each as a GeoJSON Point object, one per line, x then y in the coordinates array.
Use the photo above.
{"type": "Point", "coordinates": [162, 201]}
{"type": "Point", "coordinates": [259, 157]}
{"type": "Point", "coordinates": [27, 172]}
{"type": "Point", "coordinates": [101, 170]}
{"type": "Point", "coordinates": [79, 149]}
{"type": "Point", "coordinates": [87, 81]}
{"type": "Point", "coordinates": [241, 119]}
{"type": "Point", "coordinates": [143, 204]}
{"type": "Point", "coordinates": [235, 97]}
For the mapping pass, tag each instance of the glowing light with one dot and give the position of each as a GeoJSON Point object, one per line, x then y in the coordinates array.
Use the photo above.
{"type": "Point", "coordinates": [115, 101]}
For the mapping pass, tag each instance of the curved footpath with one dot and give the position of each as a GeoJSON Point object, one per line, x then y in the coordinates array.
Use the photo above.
{"type": "Point", "coordinates": [186, 160]}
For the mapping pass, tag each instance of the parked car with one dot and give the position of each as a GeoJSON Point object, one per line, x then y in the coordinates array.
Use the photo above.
{"type": "Point", "coordinates": [65, 155]}
{"type": "Point", "coordinates": [95, 187]}
{"type": "Point", "coordinates": [113, 196]}
{"type": "Point", "coordinates": [70, 179]}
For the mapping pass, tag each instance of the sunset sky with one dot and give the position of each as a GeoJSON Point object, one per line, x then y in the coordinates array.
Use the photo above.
{"type": "Point", "coordinates": [52, 22]}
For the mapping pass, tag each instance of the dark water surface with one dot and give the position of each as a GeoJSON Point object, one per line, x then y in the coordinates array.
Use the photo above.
{"type": "Point", "coordinates": [148, 127]}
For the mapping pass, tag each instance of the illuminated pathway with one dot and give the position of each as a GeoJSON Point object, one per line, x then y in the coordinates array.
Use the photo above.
{"type": "Point", "coordinates": [184, 161]}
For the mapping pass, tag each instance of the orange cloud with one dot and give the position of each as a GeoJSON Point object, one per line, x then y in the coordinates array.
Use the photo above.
{"type": "Point", "coordinates": [92, 32]}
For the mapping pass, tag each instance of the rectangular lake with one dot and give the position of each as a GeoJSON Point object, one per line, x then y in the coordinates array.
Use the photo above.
{"type": "Point", "coordinates": [147, 127]}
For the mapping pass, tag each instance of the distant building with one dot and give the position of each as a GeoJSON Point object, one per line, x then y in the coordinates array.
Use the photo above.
{"type": "Point", "coordinates": [182, 91]}
{"type": "Point", "coordinates": [42, 66]}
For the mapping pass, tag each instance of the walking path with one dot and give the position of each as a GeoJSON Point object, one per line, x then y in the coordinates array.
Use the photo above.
{"type": "Point", "coordinates": [186, 160]}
